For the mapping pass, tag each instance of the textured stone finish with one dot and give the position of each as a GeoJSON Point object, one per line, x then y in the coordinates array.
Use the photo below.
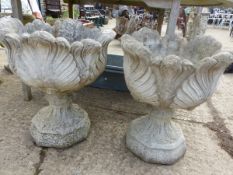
{"type": "Point", "coordinates": [10, 25]}
{"type": "Point", "coordinates": [58, 60]}
{"type": "Point", "coordinates": [156, 139]}
{"type": "Point", "coordinates": [168, 74]}
{"type": "Point", "coordinates": [61, 124]}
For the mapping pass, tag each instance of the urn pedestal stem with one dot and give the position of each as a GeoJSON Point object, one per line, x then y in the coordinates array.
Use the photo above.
{"type": "Point", "coordinates": [155, 138]}
{"type": "Point", "coordinates": [61, 124]}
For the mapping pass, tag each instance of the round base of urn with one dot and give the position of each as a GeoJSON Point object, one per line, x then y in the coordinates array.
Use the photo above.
{"type": "Point", "coordinates": [60, 126]}
{"type": "Point", "coordinates": [156, 139]}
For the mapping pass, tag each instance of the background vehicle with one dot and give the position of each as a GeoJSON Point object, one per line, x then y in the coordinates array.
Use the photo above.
{"type": "Point", "coordinates": [89, 12]}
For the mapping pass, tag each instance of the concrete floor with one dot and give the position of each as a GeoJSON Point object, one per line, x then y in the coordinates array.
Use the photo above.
{"type": "Point", "coordinates": [208, 131]}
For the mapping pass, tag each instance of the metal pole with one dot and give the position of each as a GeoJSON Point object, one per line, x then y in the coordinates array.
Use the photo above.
{"type": "Point", "coordinates": [17, 9]}
{"type": "Point", "coordinates": [173, 19]}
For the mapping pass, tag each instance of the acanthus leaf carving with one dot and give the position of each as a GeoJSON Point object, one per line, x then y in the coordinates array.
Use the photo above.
{"type": "Point", "coordinates": [138, 74]}
{"type": "Point", "coordinates": [179, 74]}
{"type": "Point", "coordinates": [38, 25]}
{"type": "Point", "coordinates": [202, 84]}
{"type": "Point", "coordinates": [12, 42]}
{"type": "Point", "coordinates": [12, 26]}
{"type": "Point", "coordinates": [58, 64]}
{"type": "Point", "coordinates": [172, 72]}
{"type": "Point", "coordinates": [45, 62]}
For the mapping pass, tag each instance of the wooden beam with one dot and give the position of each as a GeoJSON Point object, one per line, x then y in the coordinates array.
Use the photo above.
{"type": "Point", "coordinates": [17, 9]}
{"type": "Point", "coordinates": [159, 3]}
{"type": "Point", "coordinates": [171, 27]}
{"type": "Point", "coordinates": [70, 8]}
{"type": "Point", "coordinates": [117, 2]}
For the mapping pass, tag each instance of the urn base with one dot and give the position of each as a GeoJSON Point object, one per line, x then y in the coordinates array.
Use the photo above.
{"type": "Point", "coordinates": [156, 140]}
{"type": "Point", "coordinates": [60, 127]}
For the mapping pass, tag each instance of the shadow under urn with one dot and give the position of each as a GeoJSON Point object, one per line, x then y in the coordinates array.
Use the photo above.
{"type": "Point", "coordinates": [65, 58]}
{"type": "Point", "coordinates": [168, 74]}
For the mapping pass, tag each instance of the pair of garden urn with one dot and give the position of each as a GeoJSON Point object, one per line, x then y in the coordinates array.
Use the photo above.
{"type": "Point", "coordinates": [164, 73]}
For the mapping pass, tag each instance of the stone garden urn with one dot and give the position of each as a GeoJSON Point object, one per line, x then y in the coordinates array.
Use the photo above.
{"type": "Point", "coordinates": [10, 25]}
{"type": "Point", "coordinates": [167, 75]}
{"type": "Point", "coordinates": [63, 59]}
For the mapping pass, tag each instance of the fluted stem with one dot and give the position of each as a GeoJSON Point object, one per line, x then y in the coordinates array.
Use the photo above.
{"type": "Point", "coordinates": [156, 138]}
{"type": "Point", "coordinates": [61, 124]}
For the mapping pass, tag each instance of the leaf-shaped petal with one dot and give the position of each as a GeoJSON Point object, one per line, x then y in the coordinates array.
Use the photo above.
{"type": "Point", "coordinates": [91, 56]}
{"type": "Point", "coordinates": [12, 43]}
{"type": "Point", "coordinates": [172, 72]}
{"type": "Point", "coordinates": [88, 58]}
{"type": "Point", "coordinates": [73, 30]}
{"type": "Point", "coordinates": [10, 25]}
{"type": "Point", "coordinates": [45, 62]}
{"type": "Point", "coordinates": [38, 25]}
{"type": "Point", "coordinates": [105, 39]}
{"type": "Point", "coordinates": [139, 76]}
{"type": "Point", "coordinates": [202, 84]}
{"type": "Point", "coordinates": [201, 47]}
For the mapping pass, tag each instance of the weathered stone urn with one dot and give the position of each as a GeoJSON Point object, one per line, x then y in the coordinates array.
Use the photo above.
{"type": "Point", "coordinates": [62, 59]}
{"type": "Point", "coordinates": [10, 25]}
{"type": "Point", "coordinates": [168, 74]}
